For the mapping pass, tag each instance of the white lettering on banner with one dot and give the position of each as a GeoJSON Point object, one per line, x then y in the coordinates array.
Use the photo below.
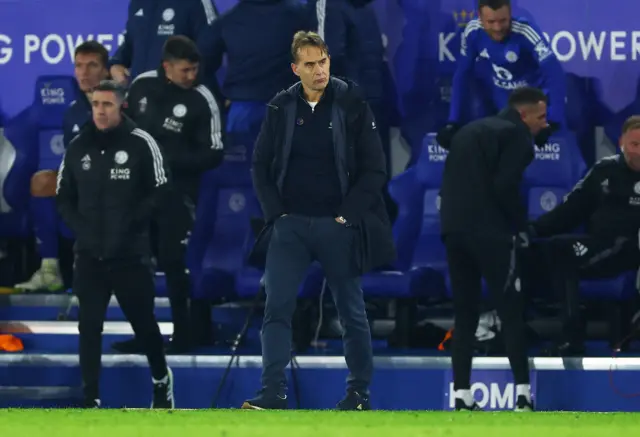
{"type": "Point", "coordinates": [437, 153]}
{"type": "Point", "coordinates": [548, 152]}
{"type": "Point", "coordinates": [120, 174]}
{"type": "Point", "coordinates": [620, 45]}
{"type": "Point", "coordinates": [6, 52]}
{"type": "Point", "coordinates": [489, 396]}
{"type": "Point", "coordinates": [53, 48]}
{"type": "Point", "coordinates": [444, 54]}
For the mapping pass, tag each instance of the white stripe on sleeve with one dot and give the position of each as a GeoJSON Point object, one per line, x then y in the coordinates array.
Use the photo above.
{"type": "Point", "coordinates": [216, 126]}
{"type": "Point", "coordinates": [158, 165]}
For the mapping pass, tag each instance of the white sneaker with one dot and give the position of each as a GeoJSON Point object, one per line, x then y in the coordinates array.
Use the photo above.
{"type": "Point", "coordinates": [44, 279]}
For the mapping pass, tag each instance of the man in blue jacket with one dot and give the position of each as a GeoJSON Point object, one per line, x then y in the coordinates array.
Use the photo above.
{"type": "Point", "coordinates": [150, 23]}
{"type": "Point", "coordinates": [318, 172]}
{"type": "Point", "coordinates": [503, 53]}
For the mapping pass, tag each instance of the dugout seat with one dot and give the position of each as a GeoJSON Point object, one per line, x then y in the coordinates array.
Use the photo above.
{"type": "Point", "coordinates": [399, 280]}
{"type": "Point", "coordinates": [557, 164]}
{"type": "Point", "coordinates": [215, 251]}
{"type": "Point", "coordinates": [18, 161]}
{"type": "Point", "coordinates": [53, 96]}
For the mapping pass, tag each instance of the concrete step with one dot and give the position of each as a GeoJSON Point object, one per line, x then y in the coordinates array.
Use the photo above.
{"type": "Point", "coordinates": [49, 307]}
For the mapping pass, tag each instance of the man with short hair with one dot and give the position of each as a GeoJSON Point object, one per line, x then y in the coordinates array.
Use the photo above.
{"type": "Point", "coordinates": [90, 59]}
{"type": "Point", "coordinates": [109, 184]}
{"type": "Point", "coordinates": [503, 53]}
{"type": "Point", "coordinates": [607, 201]}
{"type": "Point", "coordinates": [318, 172]}
{"type": "Point", "coordinates": [483, 222]}
{"type": "Point", "coordinates": [184, 118]}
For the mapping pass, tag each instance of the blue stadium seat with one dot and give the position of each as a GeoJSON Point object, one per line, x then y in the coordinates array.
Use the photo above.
{"type": "Point", "coordinates": [544, 199]}
{"type": "Point", "coordinates": [430, 165]}
{"type": "Point", "coordinates": [558, 163]}
{"type": "Point", "coordinates": [619, 288]}
{"type": "Point", "coordinates": [18, 161]}
{"type": "Point", "coordinates": [215, 250]}
{"type": "Point", "coordinates": [399, 281]}
{"type": "Point", "coordinates": [429, 257]}
{"type": "Point", "coordinates": [53, 96]}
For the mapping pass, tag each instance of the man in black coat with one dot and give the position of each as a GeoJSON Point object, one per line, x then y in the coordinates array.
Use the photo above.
{"type": "Point", "coordinates": [318, 171]}
{"type": "Point", "coordinates": [484, 220]}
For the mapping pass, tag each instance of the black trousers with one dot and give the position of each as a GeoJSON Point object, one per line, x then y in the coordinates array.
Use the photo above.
{"type": "Point", "coordinates": [575, 257]}
{"type": "Point", "coordinates": [295, 243]}
{"type": "Point", "coordinates": [131, 280]}
{"type": "Point", "coordinates": [471, 258]}
{"type": "Point", "coordinates": [170, 231]}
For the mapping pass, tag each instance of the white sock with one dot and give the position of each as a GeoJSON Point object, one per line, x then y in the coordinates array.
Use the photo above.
{"type": "Point", "coordinates": [466, 397]}
{"type": "Point", "coordinates": [524, 390]}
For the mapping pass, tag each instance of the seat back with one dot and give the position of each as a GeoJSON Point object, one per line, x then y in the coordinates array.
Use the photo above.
{"type": "Point", "coordinates": [53, 96]}
{"type": "Point", "coordinates": [408, 194]}
{"type": "Point", "coordinates": [544, 199]}
{"type": "Point", "coordinates": [430, 251]}
{"type": "Point", "coordinates": [558, 163]}
{"type": "Point", "coordinates": [430, 165]}
{"type": "Point", "coordinates": [221, 226]}
{"type": "Point", "coordinates": [18, 162]}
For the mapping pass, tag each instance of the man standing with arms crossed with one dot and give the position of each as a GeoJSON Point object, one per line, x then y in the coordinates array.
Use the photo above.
{"type": "Point", "coordinates": [318, 171]}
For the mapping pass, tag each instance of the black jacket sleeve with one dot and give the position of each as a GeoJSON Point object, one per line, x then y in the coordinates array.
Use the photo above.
{"type": "Point", "coordinates": [577, 207]}
{"type": "Point", "coordinates": [207, 151]}
{"type": "Point", "coordinates": [131, 105]}
{"type": "Point", "coordinates": [67, 196]}
{"type": "Point", "coordinates": [515, 156]}
{"type": "Point", "coordinates": [156, 177]}
{"type": "Point", "coordinates": [264, 184]}
{"type": "Point", "coordinates": [371, 174]}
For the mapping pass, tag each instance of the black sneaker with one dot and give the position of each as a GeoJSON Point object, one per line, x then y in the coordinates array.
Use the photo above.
{"type": "Point", "coordinates": [354, 401]}
{"type": "Point", "coordinates": [266, 402]}
{"type": "Point", "coordinates": [163, 393]}
{"type": "Point", "coordinates": [523, 405]}
{"type": "Point", "coordinates": [91, 403]}
{"type": "Point", "coordinates": [462, 406]}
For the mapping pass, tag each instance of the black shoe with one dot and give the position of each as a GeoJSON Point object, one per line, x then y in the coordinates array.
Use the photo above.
{"type": "Point", "coordinates": [128, 347]}
{"type": "Point", "coordinates": [354, 401]}
{"type": "Point", "coordinates": [462, 406]}
{"type": "Point", "coordinates": [523, 405]}
{"type": "Point", "coordinates": [91, 403]}
{"type": "Point", "coordinates": [266, 402]}
{"type": "Point", "coordinates": [163, 393]}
